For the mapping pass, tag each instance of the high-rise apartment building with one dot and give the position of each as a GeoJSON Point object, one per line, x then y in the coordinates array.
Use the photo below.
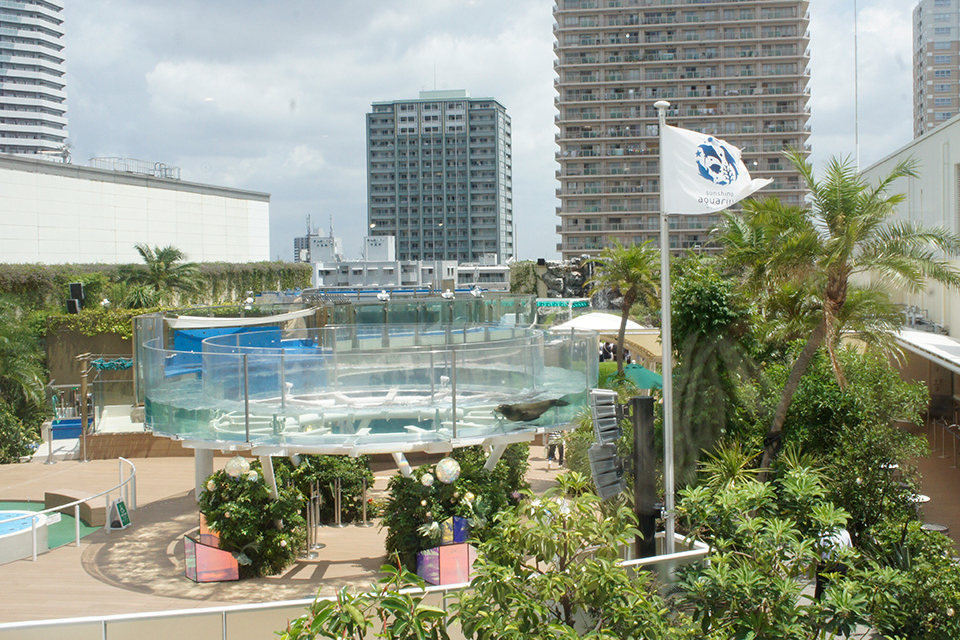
{"type": "Point", "coordinates": [32, 97]}
{"type": "Point", "coordinates": [936, 56]}
{"type": "Point", "coordinates": [440, 176]}
{"type": "Point", "coordinates": [736, 69]}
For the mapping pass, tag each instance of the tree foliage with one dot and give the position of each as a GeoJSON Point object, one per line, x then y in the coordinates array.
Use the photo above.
{"type": "Point", "coordinates": [412, 507]}
{"type": "Point", "coordinates": [633, 271]}
{"type": "Point", "coordinates": [264, 534]}
{"type": "Point", "coordinates": [324, 471]}
{"type": "Point", "coordinates": [820, 251]}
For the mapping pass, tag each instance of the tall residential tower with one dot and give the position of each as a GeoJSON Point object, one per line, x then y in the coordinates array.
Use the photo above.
{"type": "Point", "coordinates": [936, 54]}
{"type": "Point", "coordinates": [736, 69]}
{"type": "Point", "coordinates": [440, 177]}
{"type": "Point", "coordinates": [32, 97]}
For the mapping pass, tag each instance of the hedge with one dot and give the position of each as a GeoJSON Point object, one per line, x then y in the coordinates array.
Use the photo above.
{"type": "Point", "coordinates": [41, 286]}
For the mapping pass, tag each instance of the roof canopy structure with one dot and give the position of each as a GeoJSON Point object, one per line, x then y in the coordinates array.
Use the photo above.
{"type": "Point", "coordinates": [643, 342]}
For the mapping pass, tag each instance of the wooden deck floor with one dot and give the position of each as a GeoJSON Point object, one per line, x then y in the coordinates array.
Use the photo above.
{"type": "Point", "coordinates": [141, 568]}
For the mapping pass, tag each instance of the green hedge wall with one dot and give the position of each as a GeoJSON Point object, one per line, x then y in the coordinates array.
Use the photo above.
{"type": "Point", "coordinates": [39, 286]}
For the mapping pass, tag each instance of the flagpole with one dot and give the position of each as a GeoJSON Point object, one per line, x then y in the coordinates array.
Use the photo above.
{"type": "Point", "coordinates": [667, 346]}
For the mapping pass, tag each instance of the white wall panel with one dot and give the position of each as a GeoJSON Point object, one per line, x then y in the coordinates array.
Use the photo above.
{"type": "Point", "coordinates": [60, 218]}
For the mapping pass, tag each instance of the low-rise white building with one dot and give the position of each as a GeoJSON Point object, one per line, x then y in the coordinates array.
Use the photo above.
{"type": "Point", "coordinates": [56, 213]}
{"type": "Point", "coordinates": [933, 200]}
{"type": "Point", "coordinates": [379, 268]}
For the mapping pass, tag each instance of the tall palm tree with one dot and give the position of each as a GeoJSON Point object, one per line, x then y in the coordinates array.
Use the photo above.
{"type": "Point", "coordinates": [633, 271]}
{"type": "Point", "coordinates": [165, 271]}
{"type": "Point", "coordinates": [846, 233]}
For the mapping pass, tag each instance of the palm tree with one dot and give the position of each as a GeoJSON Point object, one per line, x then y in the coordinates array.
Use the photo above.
{"type": "Point", "coordinates": [634, 272]}
{"type": "Point", "coordinates": [845, 234]}
{"type": "Point", "coordinates": [164, 271]}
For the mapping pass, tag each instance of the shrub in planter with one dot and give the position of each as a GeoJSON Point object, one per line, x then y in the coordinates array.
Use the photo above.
{"type": "Point", "coordinates": [264, 534]}
{"type": "Point", "coordinates": [415, 509]}
{"type": "Point", "coordinates": [325, 470]}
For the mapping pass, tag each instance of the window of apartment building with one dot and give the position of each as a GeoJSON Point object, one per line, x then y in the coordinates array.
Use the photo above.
{"type": "Point", "coordinates": [941, 44]}
{"type": "Point", "coordinates": [943, 102]}
{"type": "Point", "coordinates": [943, 115]}
{"type": "Point", "coordinates": [941, 17]}
{"type": "Point", "coordinates": [942, 59]}
{"type": "Point", "coordinates": [941, 3]}
{"type": "Point", "coordinates": [941, 31]}
{"type": "Point", "coordinates": [942, 73]}
{"type": "Point", "coordinates": [941, 87]}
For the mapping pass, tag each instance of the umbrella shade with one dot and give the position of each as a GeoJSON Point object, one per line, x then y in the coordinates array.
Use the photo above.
{"type": "Point", "coordinates": [643, 377]}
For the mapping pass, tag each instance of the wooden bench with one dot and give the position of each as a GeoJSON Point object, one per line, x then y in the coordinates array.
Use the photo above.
{"type": "Point", "coordinates": [95, 515]}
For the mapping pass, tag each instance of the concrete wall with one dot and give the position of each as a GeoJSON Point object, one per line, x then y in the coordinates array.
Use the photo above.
{"type": "Point", "coordinates": [55, 213]}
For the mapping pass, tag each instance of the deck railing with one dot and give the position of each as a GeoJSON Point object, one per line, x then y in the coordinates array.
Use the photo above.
{"type": "Point", "coordinates": [127, 488]}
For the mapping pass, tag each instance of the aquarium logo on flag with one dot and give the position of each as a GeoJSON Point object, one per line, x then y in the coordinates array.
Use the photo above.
{"type": "Point", "coordinates": [702, 174]}
{"type": "Point", "coordinates": [717, 162]}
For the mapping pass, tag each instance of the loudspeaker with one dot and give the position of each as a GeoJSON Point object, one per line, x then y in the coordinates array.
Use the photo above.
{"type": "Point", "coordinates": [73, 305]}
{"type": "Point", "coordinates": [603, 409]}
{"type": "Point", "coordinates": [607, 470]}
{"type": "Point", "coordinates": [76, 292]}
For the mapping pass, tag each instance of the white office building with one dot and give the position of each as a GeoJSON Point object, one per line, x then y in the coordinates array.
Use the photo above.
{"type": "Point", "coordinates": [62, 213]}
{"type": "Point", "coordinates": [33, 111]}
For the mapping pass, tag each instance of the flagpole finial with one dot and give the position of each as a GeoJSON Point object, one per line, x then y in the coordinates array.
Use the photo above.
{"type": "Point", "coordinates": [661, 105]}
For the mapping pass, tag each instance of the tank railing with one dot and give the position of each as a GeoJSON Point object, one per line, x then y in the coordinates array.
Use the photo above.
{"type": "Point", "coordinates": [376, 337]}
{"type": "Point", "coordinates": [128, 493]}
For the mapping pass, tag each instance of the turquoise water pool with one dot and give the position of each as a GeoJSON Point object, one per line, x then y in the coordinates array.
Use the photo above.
{"type": "Point", "coordinates": [58, 533]}
{"type": "Point", "coordinates": [13, 525]}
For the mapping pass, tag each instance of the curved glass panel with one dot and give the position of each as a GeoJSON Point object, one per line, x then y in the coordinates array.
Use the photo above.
{"type": "Point", "coordinates": [369, 387]}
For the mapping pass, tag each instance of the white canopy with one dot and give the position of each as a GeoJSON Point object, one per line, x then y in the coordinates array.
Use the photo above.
{"type": "Point", "coordinates": [204, 322]}
{"type": "Point", "coordinates": [597, 321]}
{"type": "Point", "coordinates": [644, 342]}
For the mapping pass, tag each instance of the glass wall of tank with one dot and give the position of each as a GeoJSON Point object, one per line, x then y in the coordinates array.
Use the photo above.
{"type": "Point", "coordinates": [492, 307]}
{"type": "Point", "coordinates": [373, 386]}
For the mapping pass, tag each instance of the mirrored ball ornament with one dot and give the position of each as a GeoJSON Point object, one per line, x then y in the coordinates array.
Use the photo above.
{"type": "Point", "coordinates": [427, 480]}
{"type": "Point", "coordinates": [236, 466]}
{"type": "Point", "coordinates": [448, 470]}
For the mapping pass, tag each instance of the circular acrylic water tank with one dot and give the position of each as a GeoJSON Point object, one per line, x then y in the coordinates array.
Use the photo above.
{"type": "Point", "coordinates": [368, 388]}
{"type": "Point", "coordinates": [16, 535]}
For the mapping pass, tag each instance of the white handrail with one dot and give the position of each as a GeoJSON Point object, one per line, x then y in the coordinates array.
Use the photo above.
{"type": "Point", "coordinates": [127, 488]}
{"type": "Point", "coordinates": [699, 550]}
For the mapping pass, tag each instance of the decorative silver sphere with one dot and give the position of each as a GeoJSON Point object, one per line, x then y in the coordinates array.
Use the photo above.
{"type": "Point", "coordinates": [448, 470]}
{"type": "Point", "coordinates": [427, 480]}
{"type": "Point", "coordinates": [236, 466]}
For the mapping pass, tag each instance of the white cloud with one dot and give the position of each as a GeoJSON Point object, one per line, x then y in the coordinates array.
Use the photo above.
{"type": "Point", "coordinates": [273, 96]}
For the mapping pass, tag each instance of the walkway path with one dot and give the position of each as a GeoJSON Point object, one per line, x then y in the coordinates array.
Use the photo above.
{"type": "Point", "coordinates": [141, 568]}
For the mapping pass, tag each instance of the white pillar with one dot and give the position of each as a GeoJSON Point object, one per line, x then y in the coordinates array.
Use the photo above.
{"type": "Point", "coordinates": [202, 468]}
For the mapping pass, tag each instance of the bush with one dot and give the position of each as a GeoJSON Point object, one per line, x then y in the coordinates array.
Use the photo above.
{"type": "Point", "coordinates": [16, 438]}
{"type": "Point", "coordinates": [264, 534]}
{"type": "Point", "coordinates": [413, 509]}
{"type": "Point", "coordinates": [915, 583]}
{"type": "Point", "coordinates": [325, 470]}
{"type": "Point", "coordinates": [38, 286]}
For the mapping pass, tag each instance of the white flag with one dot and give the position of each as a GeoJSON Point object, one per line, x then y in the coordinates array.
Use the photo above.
{"type": "Point", "coordinates": [702, 174]}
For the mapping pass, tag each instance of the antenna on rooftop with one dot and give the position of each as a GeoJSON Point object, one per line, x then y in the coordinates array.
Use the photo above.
{"type": "Point", "coordinates": [331, 225]}
{"type": "Point", "coordinates": [309, 227]}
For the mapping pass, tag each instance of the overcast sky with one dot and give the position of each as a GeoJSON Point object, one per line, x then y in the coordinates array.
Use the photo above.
{"type": "Point", "coordinates": [272, 96]}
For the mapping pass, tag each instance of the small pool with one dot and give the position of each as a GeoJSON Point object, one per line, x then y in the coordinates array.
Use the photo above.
{"type": "Point", "coordinates": [58, 533]}
{"type": "Point", "coordinates": [16, 537]}
{"type": "Point", "coordinates": [14, 525]}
